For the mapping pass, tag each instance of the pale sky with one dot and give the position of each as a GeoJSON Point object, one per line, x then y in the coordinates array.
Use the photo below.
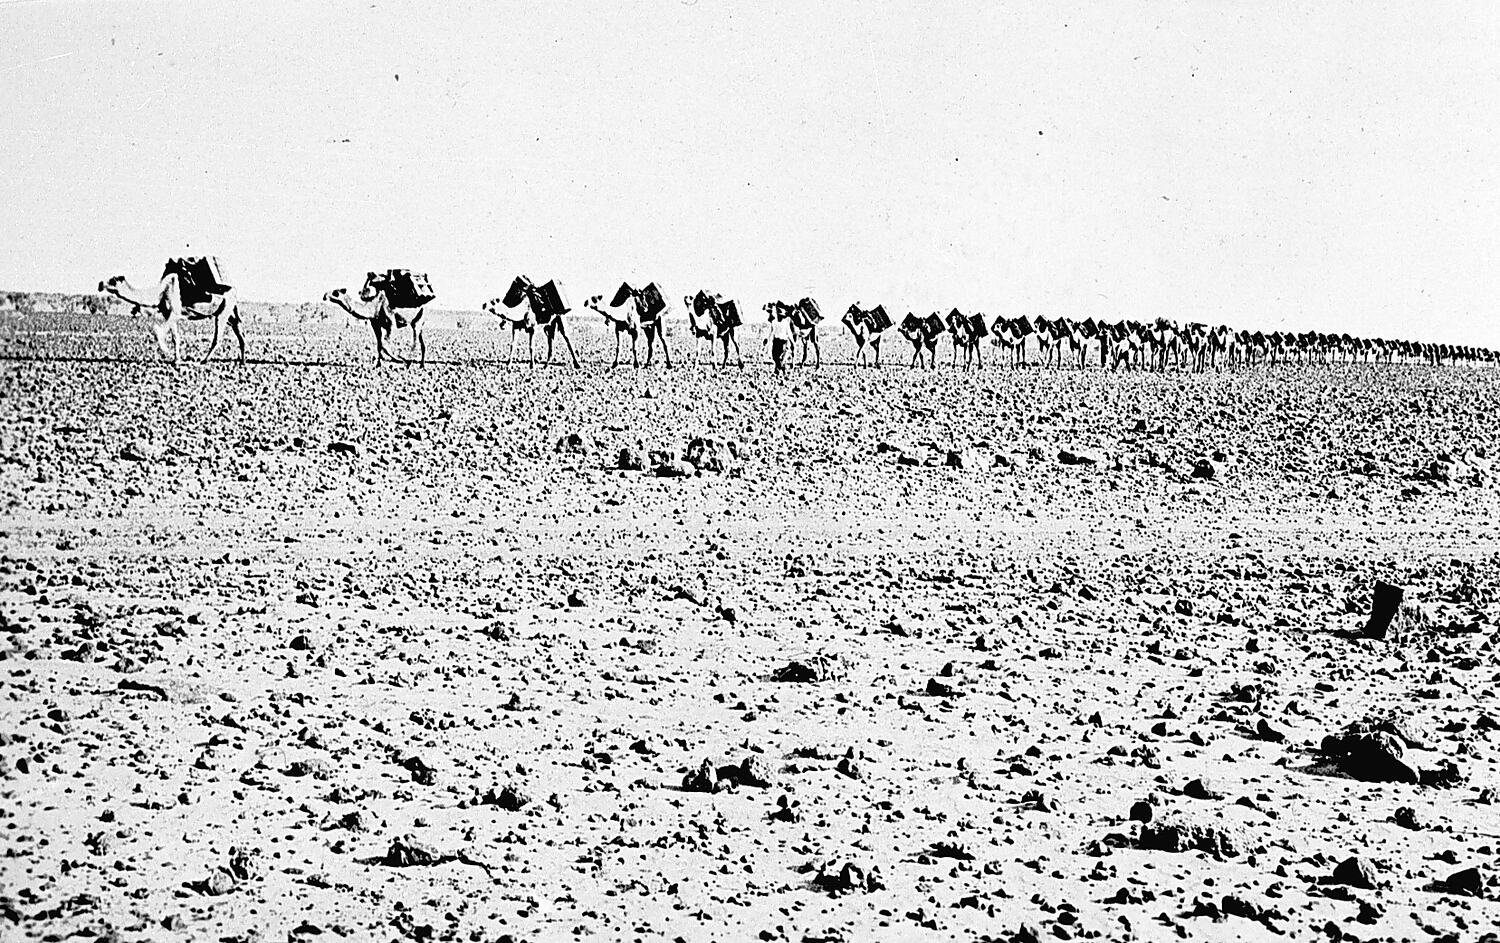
{"type": "Point", "coordinates": [1321, 165]}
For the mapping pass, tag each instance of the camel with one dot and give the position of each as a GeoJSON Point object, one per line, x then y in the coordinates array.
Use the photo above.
{"type": "Point", "coordinates": [545, 307]}
{"type": "Point", "coordinates": [923, 334]}
{"type": "Point", "coordinates": [1066, 338]}
{"type": "Point", "coordinates": [1194, 346]}
{"type": "Point", "coordinates": [805, 316]}
{"type": "Point", "coordinates": [375, 307]}
{"type": "Point", "coordinates": [711, 318]}
{"type": "Point", "coordinates": [1097, 331]}
{"type": "Point", "coordinates": [868, 328]}
{"type": "Point", "coordinates": [1222, 343]}
{"type": "Point", "coordinates": [519, 322]}
{"type": "Point", "coordinates": [624, 323]}
{"type": "Point", "coordinates": [1132, 340]}
{"type": "Point", "coordinates": [966, 333]}
{"type": "Point", "coordinates": [647, 305]}
{"type": "Point", "coordinates": [166, 305]}
{"type": "Point", "coordinates": [1165, 343]}
{"type": "Point", "coordinates": [1007, 335]}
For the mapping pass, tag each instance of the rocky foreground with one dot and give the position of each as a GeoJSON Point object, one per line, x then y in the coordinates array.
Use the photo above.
{"type": "Point", "coordinates": [305, 650]}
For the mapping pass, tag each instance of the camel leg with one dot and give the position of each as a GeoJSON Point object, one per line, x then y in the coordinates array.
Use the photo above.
{"type": "Point", "coordinates": [635, 356]}
{"type": "Point", "coordinates": [379, 344]}
{"type": "Point", "coordinates": [213, 344]}
{"type": "Point", "coordinates": [419, 340]}
{"type": "Point", "coordinates": [666, 352]}
{"type": "Point", "coordinates": [531, 348]}
{"type": "Point", "coordinates": [876, 344]}
{"type": "Point", "coordinates": [617, 350]}
{"type": "Point", "coordinates": [160, 330]}
{"type": "Point", "coordinates": [234, 325]}
{"type": "Point", "coordinates": [569, 344]}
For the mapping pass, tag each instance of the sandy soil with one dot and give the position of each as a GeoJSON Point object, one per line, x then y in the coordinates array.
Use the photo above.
{"type": "Point", "coordinates": [305, 650]}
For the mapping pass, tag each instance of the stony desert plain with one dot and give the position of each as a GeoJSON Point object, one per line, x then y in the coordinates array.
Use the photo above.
{"type": "Point", "coordinates": [307, 650]}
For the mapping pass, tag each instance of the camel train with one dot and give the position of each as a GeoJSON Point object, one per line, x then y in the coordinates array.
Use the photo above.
{"type": "Point", "coordinates": [197, 289]}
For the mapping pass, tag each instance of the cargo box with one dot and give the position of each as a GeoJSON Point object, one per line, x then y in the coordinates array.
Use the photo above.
{"type": "Point", "coordinates": [879, 320]}
{"type": "Point", "coordinates": [729, 315]}
{"type": "Point", "coordinates": [977, 327]}
{"type": "Point", "coordinates": [652, 304]}
{"type": "Point", "coordinates": [407, 289]}
{"type": "Point", "coordinates": [553, 303]}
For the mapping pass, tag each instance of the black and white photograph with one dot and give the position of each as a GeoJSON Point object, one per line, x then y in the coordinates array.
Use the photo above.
{"type": "Point", "coordinates": [713, 470]}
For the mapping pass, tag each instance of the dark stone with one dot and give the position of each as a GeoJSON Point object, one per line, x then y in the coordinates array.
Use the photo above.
{"type": "Point", "coordinates": [1383, 607]}
{"type": "Point", "coordinates": [1469, 882]}
{"type": "Point", "coordinates": [1179, 836]}
{"type": "Point", "coordinates": [1355, 872]}
{"type": "Point", "coordinates": [1198, 789]}
{"type": "Point", "coordinates": [756, 770]}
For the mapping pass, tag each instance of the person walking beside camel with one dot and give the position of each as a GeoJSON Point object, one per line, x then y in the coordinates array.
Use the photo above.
{"type": "Point", "coordinates": [781, 341]}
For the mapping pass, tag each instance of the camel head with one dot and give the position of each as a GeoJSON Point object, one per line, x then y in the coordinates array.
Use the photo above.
{"type": "Point", "coordinates": [337, 295]}
{"type": "Point", "coordinates": [111, 284]}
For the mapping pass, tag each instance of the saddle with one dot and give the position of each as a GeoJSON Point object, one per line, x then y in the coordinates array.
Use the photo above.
{"type": "Point", "coordinates": [199, 277]}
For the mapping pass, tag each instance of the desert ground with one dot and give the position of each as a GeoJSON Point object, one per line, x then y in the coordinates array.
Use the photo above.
{"type": "Point", "coordinates": [309, 650]}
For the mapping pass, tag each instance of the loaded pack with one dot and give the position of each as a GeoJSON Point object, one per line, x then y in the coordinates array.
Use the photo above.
{"type": "Point", "coordinates": [729, 315]}
{"type": "Point", "coordinates": [199, 277]}
{"type": "Point", "coordinates": [407, 289]}
{"type": "Point", "coordinates": [553, 304]}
